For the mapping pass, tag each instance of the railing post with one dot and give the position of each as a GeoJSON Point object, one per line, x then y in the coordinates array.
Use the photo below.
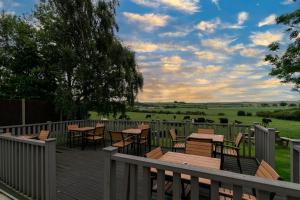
{"type": "Point", "coordinates": [158, 132]}
{"type": "Point", "coordinates": [50, 169]}
{"type": "Point", "coordinates": [109, 173]}
{"type": "Point", "coordinates": [295, 160]}
{"type": "Point", "coordinates": [186, 128]}
{"type": "Point", "coordinates": [49, 126]}
{"type": "Point", "coordinates": [271, 147]}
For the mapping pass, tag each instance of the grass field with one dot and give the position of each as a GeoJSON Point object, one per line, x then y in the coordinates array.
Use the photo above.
{"type": "Point", "coordinates": [287, 128]}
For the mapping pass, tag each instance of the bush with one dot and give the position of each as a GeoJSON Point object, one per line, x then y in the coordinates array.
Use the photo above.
{"type": "Point", "coordinates": [263, 114]}
{"type": "Point", "coordinates": [223, 120]}
{"type": "Point", "coordinates": [241, 113]}
{"type": "Point", "coordinates": [283, 104]}
{"type": "Point", "coordinates": [292, 105]}
{"type": "Point", "coordinates": [221, 114]}
{"type": "Point", "coordinates": [274, 104]}
{"type": "Point", "coordinates": [249, 114]}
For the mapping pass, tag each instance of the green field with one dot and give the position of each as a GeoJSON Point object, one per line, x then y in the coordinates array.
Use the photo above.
{"type": "Point", "coordinates": [287, 128]}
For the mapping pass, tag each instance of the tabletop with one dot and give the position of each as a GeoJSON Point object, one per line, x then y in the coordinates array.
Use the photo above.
{"type": "Point", "coordinates": [82, 129]}
{"type": "Point", "coordinates": [192, 160]}
{"type": "Point", "coordinates": [132, 131]}
{"type": "Point", "coordinates": [213, 137]}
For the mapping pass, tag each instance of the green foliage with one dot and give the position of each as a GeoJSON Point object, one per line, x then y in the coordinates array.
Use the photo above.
{"type": "Point", "coordinates": [286, 65]}
{"type": "Point", "coordinates": [70, 55]}
{"type": "Point", "coordinates": [291, 114]}
{"type": "Point", "coordinates": [283, 104]}
{"type": "Point", "coordinates": [241, 113]}
{"type": "Point", "coordinates": [248, 114]}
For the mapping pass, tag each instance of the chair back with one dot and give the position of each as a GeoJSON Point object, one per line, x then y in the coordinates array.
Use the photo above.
{"type": "Point", "coordinates": [99, 130]}
{"type": "Point", "coordinates": [143, 126]}
{"type": "Point", "coordinates": [266, 171]}
{"type": "Point", "coordinates": [199, 148]}
{"type": "Point", "coordinates": [206, 131]}
{"type": "Point", "coordinates": [145, 133]}
{"type": "Point", "coordinates": [116, 136]}
{"type": "Point", "coordinates": [155, 153]}
{"type": "Point", "coordinates": [173, 134]}
{"type": "Point", "coordinates": [44, 135]}
{"type": "Point", "coordinates": [72, 126]}
{"type": "Point", "coordinates": [238, 139]}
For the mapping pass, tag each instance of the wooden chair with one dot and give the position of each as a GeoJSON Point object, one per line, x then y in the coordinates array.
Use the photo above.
{"type": "Point", "coordinates": [264, 171]}
{"type": "Point", "coordinates": [73, 135]}
{"type": "Point", "coordinates": [98, 135]}
{"type": "Point", "coordinates": [186, 188]}
{"type": "Point", "coordinates": [206, 131]}
{"type": "Point", "coordinates": [155, 153]}
{"type": "Point", "coordinates": [44, 135]}
{"type": "Point", "coordinates": [178, 142]}
{"type": "Point", "coordinates": [232, 150]}
{"type": "Point", "coordinates": [143, 139]}
{"type": "Point", "coordinates": [117, 139]}
{"type": "Point", "coordinates": [199, 148]}
{"type": "Point", "coordinates": [143, 126]}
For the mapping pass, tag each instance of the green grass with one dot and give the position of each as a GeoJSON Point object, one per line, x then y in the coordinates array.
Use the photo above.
{"type": "Point", "coordinates": [287, 128]}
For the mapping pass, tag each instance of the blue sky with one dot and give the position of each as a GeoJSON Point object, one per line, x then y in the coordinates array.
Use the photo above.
{"type": "Point", "coordinates": [200, 50]}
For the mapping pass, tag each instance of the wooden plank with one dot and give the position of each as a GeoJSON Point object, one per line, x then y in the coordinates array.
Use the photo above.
{"type": "Point", "coordinates": [161, 185]}
{"type": "Point", "coordinates": [147, 183]}
{"type": "Point", "coordinates": [176, 186]}
{"type": "Point", "coordinates": [194, 188]}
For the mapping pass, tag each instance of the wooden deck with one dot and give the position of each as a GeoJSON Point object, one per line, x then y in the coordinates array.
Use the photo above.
{"type": "Point", "coordinates": [80, 173]}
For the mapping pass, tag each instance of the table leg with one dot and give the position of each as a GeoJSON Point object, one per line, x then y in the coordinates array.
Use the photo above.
{"type": "Point", "coordinates": [82, 141]}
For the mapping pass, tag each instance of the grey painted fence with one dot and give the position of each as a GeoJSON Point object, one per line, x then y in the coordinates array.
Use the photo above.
{"type": "Point", "coordinates": [28, 167]}
{"type": "Point", "coordinates": [295, 160]}
{"type": "Point", "coordinates": [265, 144]}
{"type": "Point", "coordinates": [130, 185]}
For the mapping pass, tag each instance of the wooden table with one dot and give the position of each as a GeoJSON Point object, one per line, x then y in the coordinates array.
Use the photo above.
{"type": "Point", "coordinates": [192, 160]}
{"type": "Point", "coordinates": [136, 132]}
{"type": "Point", "coordinates": [200, 136]}
{"type": "Point", "coordinates": [83, 131]}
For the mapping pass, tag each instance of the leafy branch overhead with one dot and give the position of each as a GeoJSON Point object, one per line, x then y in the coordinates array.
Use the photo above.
{"type": "Point", "coordinates": [286, 64]}
{"type": "Point", "coordinates": [67, 52]}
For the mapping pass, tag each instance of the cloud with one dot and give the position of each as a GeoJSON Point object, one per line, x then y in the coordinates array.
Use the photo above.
{"type": "Point", "coordinates": [265, 38]}
{"type": "Point", "coordinates": [209, 69]}
{"type": "Point", "coordinates": [216, 2]}
{"type": "Point", "coordinates": [242, 17]}
{"type": "Point", "coordinates": [220, 44]}
{"type": "Point", "coordinates": [202, 81]}
{"type": "Point", "coordinates": [250, 52]}
{"type": "Point", "coordinates": [288, 2]}
{"type": "Point", "coordinates": [211, 56]}
{"type": "Point", "coordinates": [208, 26]}
{"type": "Point", "coordinates": [172, 64]}
{"type": "Point", "coordinates": [172, 59]}
{"type": "Point", "coordinates": [148, 22]}
{"type": "Point", "coordinates": [174, 34]}
{"type": "Point", "coordinates": [187, 6]}
{"type": "Point", "coordinates": [271, 19]}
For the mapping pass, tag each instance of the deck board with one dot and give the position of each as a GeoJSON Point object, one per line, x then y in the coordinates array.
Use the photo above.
{"type": "Point", "coordinates": [80, 173]}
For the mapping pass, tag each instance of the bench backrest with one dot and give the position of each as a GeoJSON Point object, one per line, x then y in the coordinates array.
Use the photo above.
{"type": "Point", "coordinates": [155, 153]}
{"type": "Point", "coordinates": [206, 131]}
{"type": "Point", "coordinates": [44, 135]}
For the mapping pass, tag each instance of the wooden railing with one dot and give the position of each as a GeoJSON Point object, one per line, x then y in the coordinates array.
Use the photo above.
{"type": "Point", "coordinates": [295, 160]}
{"type": "Point", "coordinates": [265, 144]}
{"type": "Point", "coordinates": [131, 185]}
{"type": "Point", "coordinates": [28, 167]}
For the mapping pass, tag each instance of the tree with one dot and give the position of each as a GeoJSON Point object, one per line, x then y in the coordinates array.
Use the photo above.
{"type": "Point", "coordinates": [286, 65]}
{"type": "Point", "coordinates": [74, 42]}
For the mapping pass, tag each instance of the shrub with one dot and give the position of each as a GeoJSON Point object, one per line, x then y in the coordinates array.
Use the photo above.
{"type": "Point", "coordinates": [283, 104]}
{"type": "Point", "coordinates": [263, 113]}
{"type": "Point", "coordinates": [223, 120]}
{"type": "Point", "coordinates": [249, 114]}
{"type": "Point", "coordinates": [292, 105]}
{"type": "Point", "coordinates": [274, 104]}
{"type": "Point", "coordinates": [221, 114]}
{"type": "Point", "coordinates": [241, 113]}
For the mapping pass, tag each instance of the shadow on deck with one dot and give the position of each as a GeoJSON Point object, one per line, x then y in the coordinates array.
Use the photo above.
{"type": "Point", "coordinates": [80, 173]}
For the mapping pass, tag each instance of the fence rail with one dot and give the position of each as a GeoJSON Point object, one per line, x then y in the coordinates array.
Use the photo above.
{"type": "Point", "coordinates": [295, 160]}
{"type": "Point", "coordinates": [28, 166]}
{"type": "Point", "coordinates": [130, 185]}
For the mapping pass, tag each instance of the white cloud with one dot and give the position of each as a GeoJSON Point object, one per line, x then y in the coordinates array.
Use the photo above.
{"type": "Point", "coordinates": [216, 2]}
{"type": "Point", "coordinates": [172, 59]}
{"type": "Point", "coordinates": [169, 67]}
{"type": "Point", "coordinates": [211, 56]}
{"type": "Point", "coordinates": [250, 52]}
{"type": "Point", "coordinates": [265, 38]}
{"type": "Point", "coordinates": [208, 26]}
{"type": "Point", "coordinates": [188, 6]}
{"type": "Point", "coordinates": [148, 22]}
{"type": "Point", "coordinates": [242, 17]}
{"type": "Point", "coordinates": [202, 81]}
{"type": "Point", "coordinates": [220, 44]}
{"type": "Point", "coordinates": [271, 19]}
{"type": "Point", "coordinates": [174, 34]}
{"type": "Point", "coordinates": [287, 2]}
{"type": "Point", "coordinates": [143, 47]}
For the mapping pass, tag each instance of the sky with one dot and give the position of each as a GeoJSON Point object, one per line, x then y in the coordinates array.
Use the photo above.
{"type": "Point", "coordinates": [200, 50]}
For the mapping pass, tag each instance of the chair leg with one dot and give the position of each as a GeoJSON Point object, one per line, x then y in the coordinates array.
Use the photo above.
{"type": "Point", "coordinates": [239, 163]}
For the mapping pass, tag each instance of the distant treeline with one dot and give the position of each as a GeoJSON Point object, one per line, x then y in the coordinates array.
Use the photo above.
{"type": "Point", "coordinates": [168, 112]}
{"type": "Point", "coordinates": [290, 114]}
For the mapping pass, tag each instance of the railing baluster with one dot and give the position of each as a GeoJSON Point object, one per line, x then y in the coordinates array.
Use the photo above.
{"type": "Point", "coordinates": [161, 184]}
{"type": "Point", "coordinates": [214, 190]}
{"type": "Point", "coordinates": [176, 186]}
{"type": "Point", "coordinates": [263, 195]}
{"type": "Point", "coordinates": [194, 188]}
{"type": "Point", "coordinates": [133, 182]}
{"type": "Point", "coordinates": [237, 192]}
{"type": "Point", "coordinates": [147, 183]}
